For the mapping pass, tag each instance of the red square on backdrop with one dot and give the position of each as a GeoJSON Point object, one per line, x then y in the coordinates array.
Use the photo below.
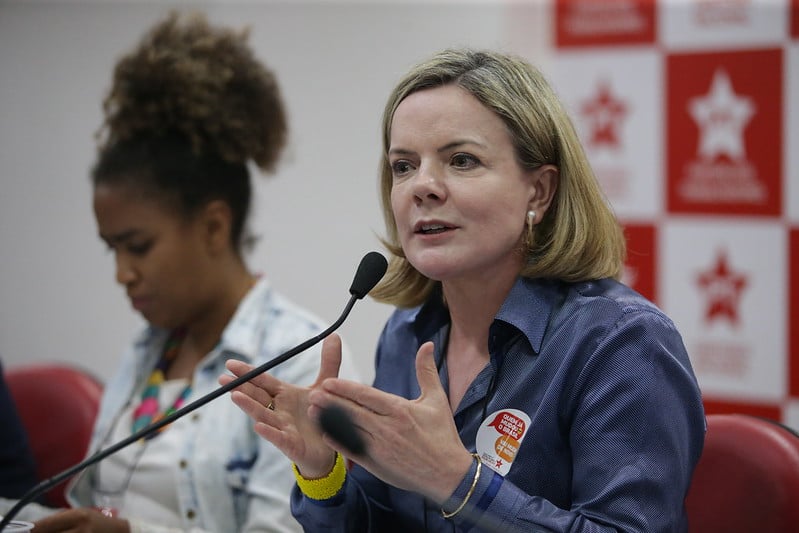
{"type": "Point", "coordinates": [794, 18]}
{"type": "Point", "coordinates": [604, 22]}
{"type": "Point", "coordinates": [793, 313]}
{"type": "Point", "coordinates": [640, 267]}
{"type": "Point", "coordinates": [724, 132]}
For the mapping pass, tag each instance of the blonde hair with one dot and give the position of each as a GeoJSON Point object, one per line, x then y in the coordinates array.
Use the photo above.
{"type": "Point", "coordinates": [579, 237]}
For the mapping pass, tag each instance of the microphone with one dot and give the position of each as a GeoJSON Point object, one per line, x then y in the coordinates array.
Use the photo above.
{"type": "Point", "coordinates": [336, 422]}
{"type": "Point", "coordinates": [370, 271]}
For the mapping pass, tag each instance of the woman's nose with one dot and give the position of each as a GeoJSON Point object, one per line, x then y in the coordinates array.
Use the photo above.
{"type": "Point", "coordinates": [125, 273]}
{"type": "Point", "coordinates": [428, 184]}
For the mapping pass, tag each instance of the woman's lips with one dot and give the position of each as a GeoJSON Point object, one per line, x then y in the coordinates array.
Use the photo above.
{"type": "Point", "coordinates": [432, 228]}
{"type": "Point", "coordinates": [139, 302]}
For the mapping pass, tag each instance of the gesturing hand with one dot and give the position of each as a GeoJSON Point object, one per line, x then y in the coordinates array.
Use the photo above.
{"type": "Point", "coordinates": [81, 520]}
{"type": "Point", "coordinates": [280, 411]}
{"type": "Point", "coordinates": [411, 444]}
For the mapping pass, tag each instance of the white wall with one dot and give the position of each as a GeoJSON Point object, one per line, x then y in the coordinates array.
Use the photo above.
{"type": "Point", "coordinates": [337, 62]}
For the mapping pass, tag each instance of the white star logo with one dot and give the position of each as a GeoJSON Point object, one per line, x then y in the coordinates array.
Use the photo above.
{"type": "Point", "coordinates": [721, 116]}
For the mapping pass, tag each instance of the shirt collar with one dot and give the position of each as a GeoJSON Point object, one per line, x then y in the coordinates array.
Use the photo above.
{"type": "Point", "coordinates": [244, 333]}
{"type": "Point", "coordinates": [527, 308]}
{"type": "Point", "coordinates": [240, 339]}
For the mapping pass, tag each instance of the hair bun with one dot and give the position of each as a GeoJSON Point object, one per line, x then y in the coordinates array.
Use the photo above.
{"type": "Point", "coordinates": [202, 81]}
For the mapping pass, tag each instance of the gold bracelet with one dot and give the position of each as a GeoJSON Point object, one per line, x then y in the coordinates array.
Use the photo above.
{"type": "Point", "coordinates": [326, 487]}
{"type": "Point", "coordinates": [471, 489]}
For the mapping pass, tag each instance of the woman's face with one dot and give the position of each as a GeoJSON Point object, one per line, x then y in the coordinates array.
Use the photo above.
{"type": "Point", "coordinates": [459, 196]}
{"type": "Point", "coordinates": [160, 256]}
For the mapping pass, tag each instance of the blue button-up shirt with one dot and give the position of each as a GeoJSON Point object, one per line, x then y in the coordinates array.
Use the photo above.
{"type": "Point", "coordinates": [616, 423]}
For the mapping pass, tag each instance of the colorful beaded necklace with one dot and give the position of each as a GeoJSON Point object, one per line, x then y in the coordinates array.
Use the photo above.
{"type": "Point", "coordinates": [147, 411]}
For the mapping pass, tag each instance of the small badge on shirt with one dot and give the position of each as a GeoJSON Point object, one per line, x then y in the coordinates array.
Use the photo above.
{"type": "Point", "coordinates": [499, 438]}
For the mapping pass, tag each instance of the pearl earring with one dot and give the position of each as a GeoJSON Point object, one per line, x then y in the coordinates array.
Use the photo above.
{"type": "Point", "coordinates": [529, 234]}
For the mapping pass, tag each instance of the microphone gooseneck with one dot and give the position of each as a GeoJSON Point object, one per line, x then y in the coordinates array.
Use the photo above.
{"type": "Point", "coordinates": [370, 271]}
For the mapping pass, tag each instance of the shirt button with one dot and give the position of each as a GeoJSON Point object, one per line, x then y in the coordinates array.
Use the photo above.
{"type": "Point", "coordinates": [190, 514]}
{"type": "Point", "coordinates": [195, 417]}
{"type": "Point", "coordinates": [183, 463]}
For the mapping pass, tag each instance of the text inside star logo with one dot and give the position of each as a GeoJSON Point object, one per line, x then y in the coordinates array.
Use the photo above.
{"type": "Point", "coordinates": [722, 288]}
{"type": "Point", "coordinates": [721, 170]}
{"type": "Point", "coordinates": [721, 116]}
{"type": "Point", "coordinates": [720, 351]}
{"type": "Point", "coordinates": [603, 114]}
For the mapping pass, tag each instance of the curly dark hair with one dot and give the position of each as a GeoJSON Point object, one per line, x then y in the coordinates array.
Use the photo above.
{"type": "Point", "coordinates": [188, 108]}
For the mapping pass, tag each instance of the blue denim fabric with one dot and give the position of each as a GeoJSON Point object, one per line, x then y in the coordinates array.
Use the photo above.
{"type": "Point", "coordinates": [233, 480]}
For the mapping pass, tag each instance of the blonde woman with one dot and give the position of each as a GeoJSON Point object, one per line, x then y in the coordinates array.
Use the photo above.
{"type": "Point", "coordinates": [519, 385]}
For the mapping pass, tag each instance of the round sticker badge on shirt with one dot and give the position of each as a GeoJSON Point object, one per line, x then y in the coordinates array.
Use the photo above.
{"type": "Point", "coordinates": [499, 438]}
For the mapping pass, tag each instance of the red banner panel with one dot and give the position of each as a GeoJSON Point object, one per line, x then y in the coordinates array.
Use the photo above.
{"type": "Point", "coordinates": [640, 267]}
{"type": "Point", "coordinates": [724, 132]}
{"type": "Point", "coordinates": [793, 314]}
{"type": "Point", "coordinates": [604, 22]}
{"type": "Point", "coordinates": [772, 412]}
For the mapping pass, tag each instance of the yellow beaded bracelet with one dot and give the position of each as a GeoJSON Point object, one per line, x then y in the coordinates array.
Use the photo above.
{"type": "Point", "coordinates": [471, 489]}
{"type": "Point", "coordinates": [326, 487]}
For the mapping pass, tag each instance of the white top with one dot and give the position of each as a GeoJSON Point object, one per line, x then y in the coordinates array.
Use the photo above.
{"type": "Point", "coordinates": [142, 480]}
{"type": "Point", "coordinates": [228, 478]}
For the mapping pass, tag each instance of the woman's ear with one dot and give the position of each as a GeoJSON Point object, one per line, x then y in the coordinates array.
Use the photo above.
{"type": "Point", "coordinates": [544, 184]}
{"type": "Point", "coordinates": [217, 220]}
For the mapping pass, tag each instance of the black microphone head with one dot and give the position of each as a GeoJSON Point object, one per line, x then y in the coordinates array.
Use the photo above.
{"type": "Point", "coordinates": [371, 270]}
{"type": "Point", "coordinates": [336, 422]}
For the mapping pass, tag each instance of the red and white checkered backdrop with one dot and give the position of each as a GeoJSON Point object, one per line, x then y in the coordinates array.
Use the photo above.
{"type": "Point", "coordinates": [689, 111]}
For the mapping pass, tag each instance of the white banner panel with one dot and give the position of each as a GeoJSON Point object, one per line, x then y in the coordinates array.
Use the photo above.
{"type": "Point", "coordinates": [723, 281]}
{"type": "Point", "coordinates": [615, 99]}
{"type": "Point", "coordinates": [722, 24]}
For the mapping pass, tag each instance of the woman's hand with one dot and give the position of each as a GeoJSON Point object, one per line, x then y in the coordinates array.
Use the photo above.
{"type": "Point", "coordinates": [81, 520]}
{"type": "Point", "coordinates": [280, 411]}
{"type": "Point", "coordinates": [411, 444]}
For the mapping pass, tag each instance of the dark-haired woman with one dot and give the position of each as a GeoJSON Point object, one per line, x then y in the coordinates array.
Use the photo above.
{"type": "Point", "coordinates": [187, 110]}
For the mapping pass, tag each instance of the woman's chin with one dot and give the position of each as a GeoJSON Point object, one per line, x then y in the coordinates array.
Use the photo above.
{"type": "Point", "coordinates": [156, 321]}
{"type": "Point", "coordinates": [436, 271]}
